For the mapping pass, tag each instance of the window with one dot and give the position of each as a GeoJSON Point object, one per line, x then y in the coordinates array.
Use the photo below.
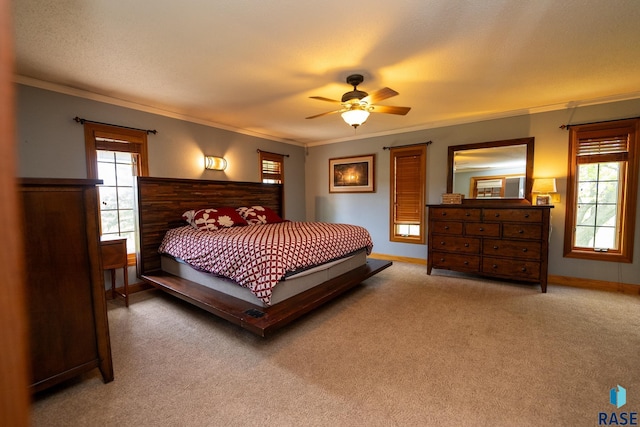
{"type": "Point", "coordinates": [271, 168]}
{"type": "Point", "coordinates": [117, 215]}
{"type": "Point", "coordinates": [602, 186]}
{"type": "Point", "coordinates": [408, 171]}
{"type": "Point", "coordinates": [494, 187]}
{"type": "Point", "coordinates": [115, 156]}
{"type": "Point", "coordinates": [488, 188]}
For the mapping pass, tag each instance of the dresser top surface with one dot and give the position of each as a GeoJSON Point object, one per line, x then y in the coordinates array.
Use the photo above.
{"type": "Point", "coordinates": [480, 205]}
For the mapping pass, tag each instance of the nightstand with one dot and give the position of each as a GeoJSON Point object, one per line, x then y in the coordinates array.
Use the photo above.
{"type": "Point", "coordinates": [114, 255]}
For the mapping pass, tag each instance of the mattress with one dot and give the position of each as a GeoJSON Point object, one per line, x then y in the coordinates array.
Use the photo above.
{"type": "Point", "coordinates": [291, 285]}
{"type": "Point", "coordinates": [260, 256]}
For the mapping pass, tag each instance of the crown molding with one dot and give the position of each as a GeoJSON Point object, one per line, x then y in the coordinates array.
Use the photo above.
{"type": "Point", "coordinates": [81, 93]}
{"type": "Point", "coordinates": [492, 116]}
{"type": "Point", "coordinates": [67, 90]}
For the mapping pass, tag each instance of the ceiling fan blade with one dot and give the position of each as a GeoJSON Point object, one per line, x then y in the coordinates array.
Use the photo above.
{"type": "Point", "coordinates": [322, 98]}
{"type": "Point", "coordinates": [379, 95]}
{"type": "Point", "coordinates": [390, 109]}
{"type": "Point", "coordinates": [324, 114]}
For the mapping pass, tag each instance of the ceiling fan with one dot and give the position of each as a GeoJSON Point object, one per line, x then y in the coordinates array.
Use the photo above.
{"type": "Point", "coordinates": [357, 104]}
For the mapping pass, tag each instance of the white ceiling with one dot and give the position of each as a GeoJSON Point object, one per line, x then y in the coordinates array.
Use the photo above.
{"type": "Point", "coordinates": [251, 65]}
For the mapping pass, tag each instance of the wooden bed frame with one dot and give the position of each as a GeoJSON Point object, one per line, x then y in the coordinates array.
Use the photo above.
{"type": "Point", "coordinates": [161, 203]}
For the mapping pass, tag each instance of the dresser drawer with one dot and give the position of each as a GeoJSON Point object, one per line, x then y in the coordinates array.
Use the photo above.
{"type": "Point", "coordinates": [517, 215]}
{"type": "Point", "coordinates": [114, 253]}
{"type": "Point", "coordinates": [522, 231]}
{"type": "Point", "coordinates": [517, 269]}
{"type": "Point", "coordinates": [457, 262]}
{"type": "Point", "coordinates": [512, 248]}
{"type": "Point", "coordinates": [456, 244]}
{"type": "Point", "coordinates": [455, 213]}
{"type": "Point", "coordinates": [447, 227]}
{"type": "Point", "coordinates": [482, 229]}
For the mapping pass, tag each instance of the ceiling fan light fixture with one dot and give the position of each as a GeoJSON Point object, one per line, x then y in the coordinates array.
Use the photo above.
{"type": "Point", "coordinates": [355, 117]}
{"type": "Point", "coordinates": [357, 104]}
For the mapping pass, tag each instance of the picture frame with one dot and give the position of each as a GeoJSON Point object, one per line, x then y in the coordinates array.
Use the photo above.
{"type": "Point", "coordinates": [352, 174]}
{"type": "Point", "coordinates": [543, 200]}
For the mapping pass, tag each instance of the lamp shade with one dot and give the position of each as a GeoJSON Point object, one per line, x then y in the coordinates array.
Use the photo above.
{"type": "Point", "coordinates": [355, 117]}
{"type": "Point", "coordinates": [215, 163]}
{"type": "Point", "coordinates": [544, 185]}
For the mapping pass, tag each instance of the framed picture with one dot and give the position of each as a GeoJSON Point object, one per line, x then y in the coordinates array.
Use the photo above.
{"type": "Point", "coordinates": [543, 200]}
{"type": "Point", "coordinates": [352, 174]}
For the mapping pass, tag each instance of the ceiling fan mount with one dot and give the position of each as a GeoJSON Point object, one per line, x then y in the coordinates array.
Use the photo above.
{"type": "Point", "coordinates": [357, 104]}
{"type": "Point", "coordinates": [354, 80]}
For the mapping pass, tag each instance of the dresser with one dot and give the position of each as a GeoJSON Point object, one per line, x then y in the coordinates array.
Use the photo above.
{"type": "Point", "coordinates": [66, 304]}
{"type": "Point", "coordinates": [508, 242]}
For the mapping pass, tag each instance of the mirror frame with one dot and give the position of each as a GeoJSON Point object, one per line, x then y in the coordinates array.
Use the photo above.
{"type": "Point", "coordinates": [529, 142]}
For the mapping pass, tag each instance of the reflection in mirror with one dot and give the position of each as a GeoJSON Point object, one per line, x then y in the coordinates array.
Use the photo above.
{"type": "Point", "coordinates": [492, 170]}
{"type": "Point", "coordinates": [496, 172]}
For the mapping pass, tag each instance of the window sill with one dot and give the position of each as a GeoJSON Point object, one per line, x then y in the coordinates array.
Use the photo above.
{"type": "Point", "coordinates": [402, 239]}
{"type": "Point", "coordinates": [600, 256]}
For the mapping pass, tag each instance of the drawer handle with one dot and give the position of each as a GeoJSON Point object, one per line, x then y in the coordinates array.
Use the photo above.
{"type": "Point", "coordinates": [523, 269]}
{"type": "Point", "coordinates": [494, 266]}
{"type": "Point", "coordinates": [495, 247]}
{"type": "Point", "coordinates": [442, 243]}
{"type": "Point", "coordinates": [526, 215]}
{"type": "Point", "coordinates": [520, 231]}
{"type": "Point", "coordinates": [441, 259]}
{"type": "Point", "coordinates": [446, 227]}
{"type": "Point", "coordinates": [466, 263]}
{"type": "Point", "coordinates": [481, 229]}
{"type": "Point", "coordinates": [467, 214]}
{"type": "Point", "coordinates": [466, 245]}
{"type": "Point", "coordinates": [444, 214]}
{"type": "Point", "coordinates": [524, 249]}
{"type": "Point", "coordinates": [497, 215]}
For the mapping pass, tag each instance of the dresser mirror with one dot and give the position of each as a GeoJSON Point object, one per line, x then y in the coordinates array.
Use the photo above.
{"type": "Point", "coordinates": [495, 170]}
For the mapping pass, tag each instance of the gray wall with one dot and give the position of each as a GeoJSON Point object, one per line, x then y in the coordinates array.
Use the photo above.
{"type": "Point", "coordinates": [51, 144]}
{"type": "Point", "coordinates": [371, 210]}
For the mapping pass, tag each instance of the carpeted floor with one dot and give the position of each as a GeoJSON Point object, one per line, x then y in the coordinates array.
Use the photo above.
{"type": "Point", "coordinates": [404, 349]}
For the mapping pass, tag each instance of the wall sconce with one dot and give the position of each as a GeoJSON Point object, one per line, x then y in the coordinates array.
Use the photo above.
{"type": "Point", "coordinates": [355, 117]}
{"type": "Point", "coordinates": [544, 187]}
{"type": "Point", "coordinates": [215, 163]}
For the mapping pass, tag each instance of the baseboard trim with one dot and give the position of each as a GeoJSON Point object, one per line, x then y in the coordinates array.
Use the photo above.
{"type": "Point", "coordinates": [399, 258]}
{"type": "Point", "coordinates": [601, 285]}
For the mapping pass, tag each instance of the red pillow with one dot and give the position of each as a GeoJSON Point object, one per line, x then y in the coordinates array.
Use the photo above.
{"type": "Point", "coordinates": [259, 215]}
{"type": "Point", "coordinates": [213, 218]}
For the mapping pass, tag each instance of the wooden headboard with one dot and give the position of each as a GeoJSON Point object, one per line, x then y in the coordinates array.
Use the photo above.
{"type": "Point", "coordinates": [162, 201]}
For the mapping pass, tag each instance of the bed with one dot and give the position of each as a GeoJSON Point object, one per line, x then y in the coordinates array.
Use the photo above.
{"type": "Point", "coordinates": [162, 202]}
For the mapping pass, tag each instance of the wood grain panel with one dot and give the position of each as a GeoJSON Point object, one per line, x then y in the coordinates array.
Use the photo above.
{"type": "Point", "coordinates": [68, 321]}
{"type": "Point", "coordinates": [162, 201]}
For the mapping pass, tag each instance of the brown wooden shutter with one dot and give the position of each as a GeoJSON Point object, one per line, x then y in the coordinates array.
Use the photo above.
{"type": "Point", "coordinates": [271, 167]}
{"type": "Point", "coordinates": [603, 145]}
{"type": "Point", "coordinates": [408, 174]}
{"type": "Point", "coordinates": [113, 138]}
{"type": "Point", "coordinates": [408, 186]}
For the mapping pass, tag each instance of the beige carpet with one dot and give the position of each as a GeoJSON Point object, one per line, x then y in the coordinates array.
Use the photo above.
{"type": "Point", "coordinates": [405, 349]}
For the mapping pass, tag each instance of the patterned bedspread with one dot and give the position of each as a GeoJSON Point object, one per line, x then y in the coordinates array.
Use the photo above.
{"type": "Point", "coordinates": [259, 256]}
